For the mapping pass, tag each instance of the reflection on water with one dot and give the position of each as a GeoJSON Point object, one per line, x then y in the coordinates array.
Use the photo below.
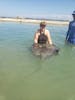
{"type": "Point", "coordinates": [26, 77]}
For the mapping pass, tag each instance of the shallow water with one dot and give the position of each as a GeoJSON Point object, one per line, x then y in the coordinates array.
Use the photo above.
{"type": "Point", "coordinates": [26, 77]}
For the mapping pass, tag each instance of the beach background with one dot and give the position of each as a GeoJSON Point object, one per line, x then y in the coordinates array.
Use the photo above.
{"type": "Point", "coordinates": [24, 76]}
{"type": "Point", "coordinates": [34, 20]}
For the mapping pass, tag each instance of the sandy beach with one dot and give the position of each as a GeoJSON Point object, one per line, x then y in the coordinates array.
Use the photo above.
{"type": "Point", "coordinates": [23, 20]}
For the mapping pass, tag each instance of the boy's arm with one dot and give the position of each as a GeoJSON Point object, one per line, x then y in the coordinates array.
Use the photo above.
{"type": "Point", "coordinates": [68, 31]}
{"type": "Point", "coordinates": [36, 38]}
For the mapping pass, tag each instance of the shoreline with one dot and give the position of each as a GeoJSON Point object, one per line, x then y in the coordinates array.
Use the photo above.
{"type": "Point", "coordinates": [35, 21]}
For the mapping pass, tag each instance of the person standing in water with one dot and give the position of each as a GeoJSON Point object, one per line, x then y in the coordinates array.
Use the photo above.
{"type": "Point", "coordinates": [70, 37]}
{"type": "Point", "coordinates": [42, 36]}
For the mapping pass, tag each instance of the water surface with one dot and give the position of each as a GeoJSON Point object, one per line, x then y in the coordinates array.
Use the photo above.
{"type": "Point", "coordinates": [26, 77]}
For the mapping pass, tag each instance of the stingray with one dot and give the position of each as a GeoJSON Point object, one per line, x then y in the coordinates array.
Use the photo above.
{"type": "Point", "coordinates": [45, 51]}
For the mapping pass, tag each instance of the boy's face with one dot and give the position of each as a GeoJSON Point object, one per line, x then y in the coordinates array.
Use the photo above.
{"type": "Point", "coordinates": [42, 26]}
{"type": "Point", "coordinates": [74, 17]}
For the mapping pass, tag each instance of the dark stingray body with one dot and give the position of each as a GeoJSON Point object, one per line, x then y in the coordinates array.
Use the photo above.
{"type": "Point", "coordinates": [45, 51]}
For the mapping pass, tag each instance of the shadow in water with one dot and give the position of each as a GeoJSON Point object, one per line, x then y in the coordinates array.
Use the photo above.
{"type": "Point", "coordinates": [41, 59]}
{"type": "Point", "coordinates": [38, 69]}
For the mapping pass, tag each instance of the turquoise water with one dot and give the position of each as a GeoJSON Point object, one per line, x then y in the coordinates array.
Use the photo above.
{"type": "Point", "coordinates": [26, 77]}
